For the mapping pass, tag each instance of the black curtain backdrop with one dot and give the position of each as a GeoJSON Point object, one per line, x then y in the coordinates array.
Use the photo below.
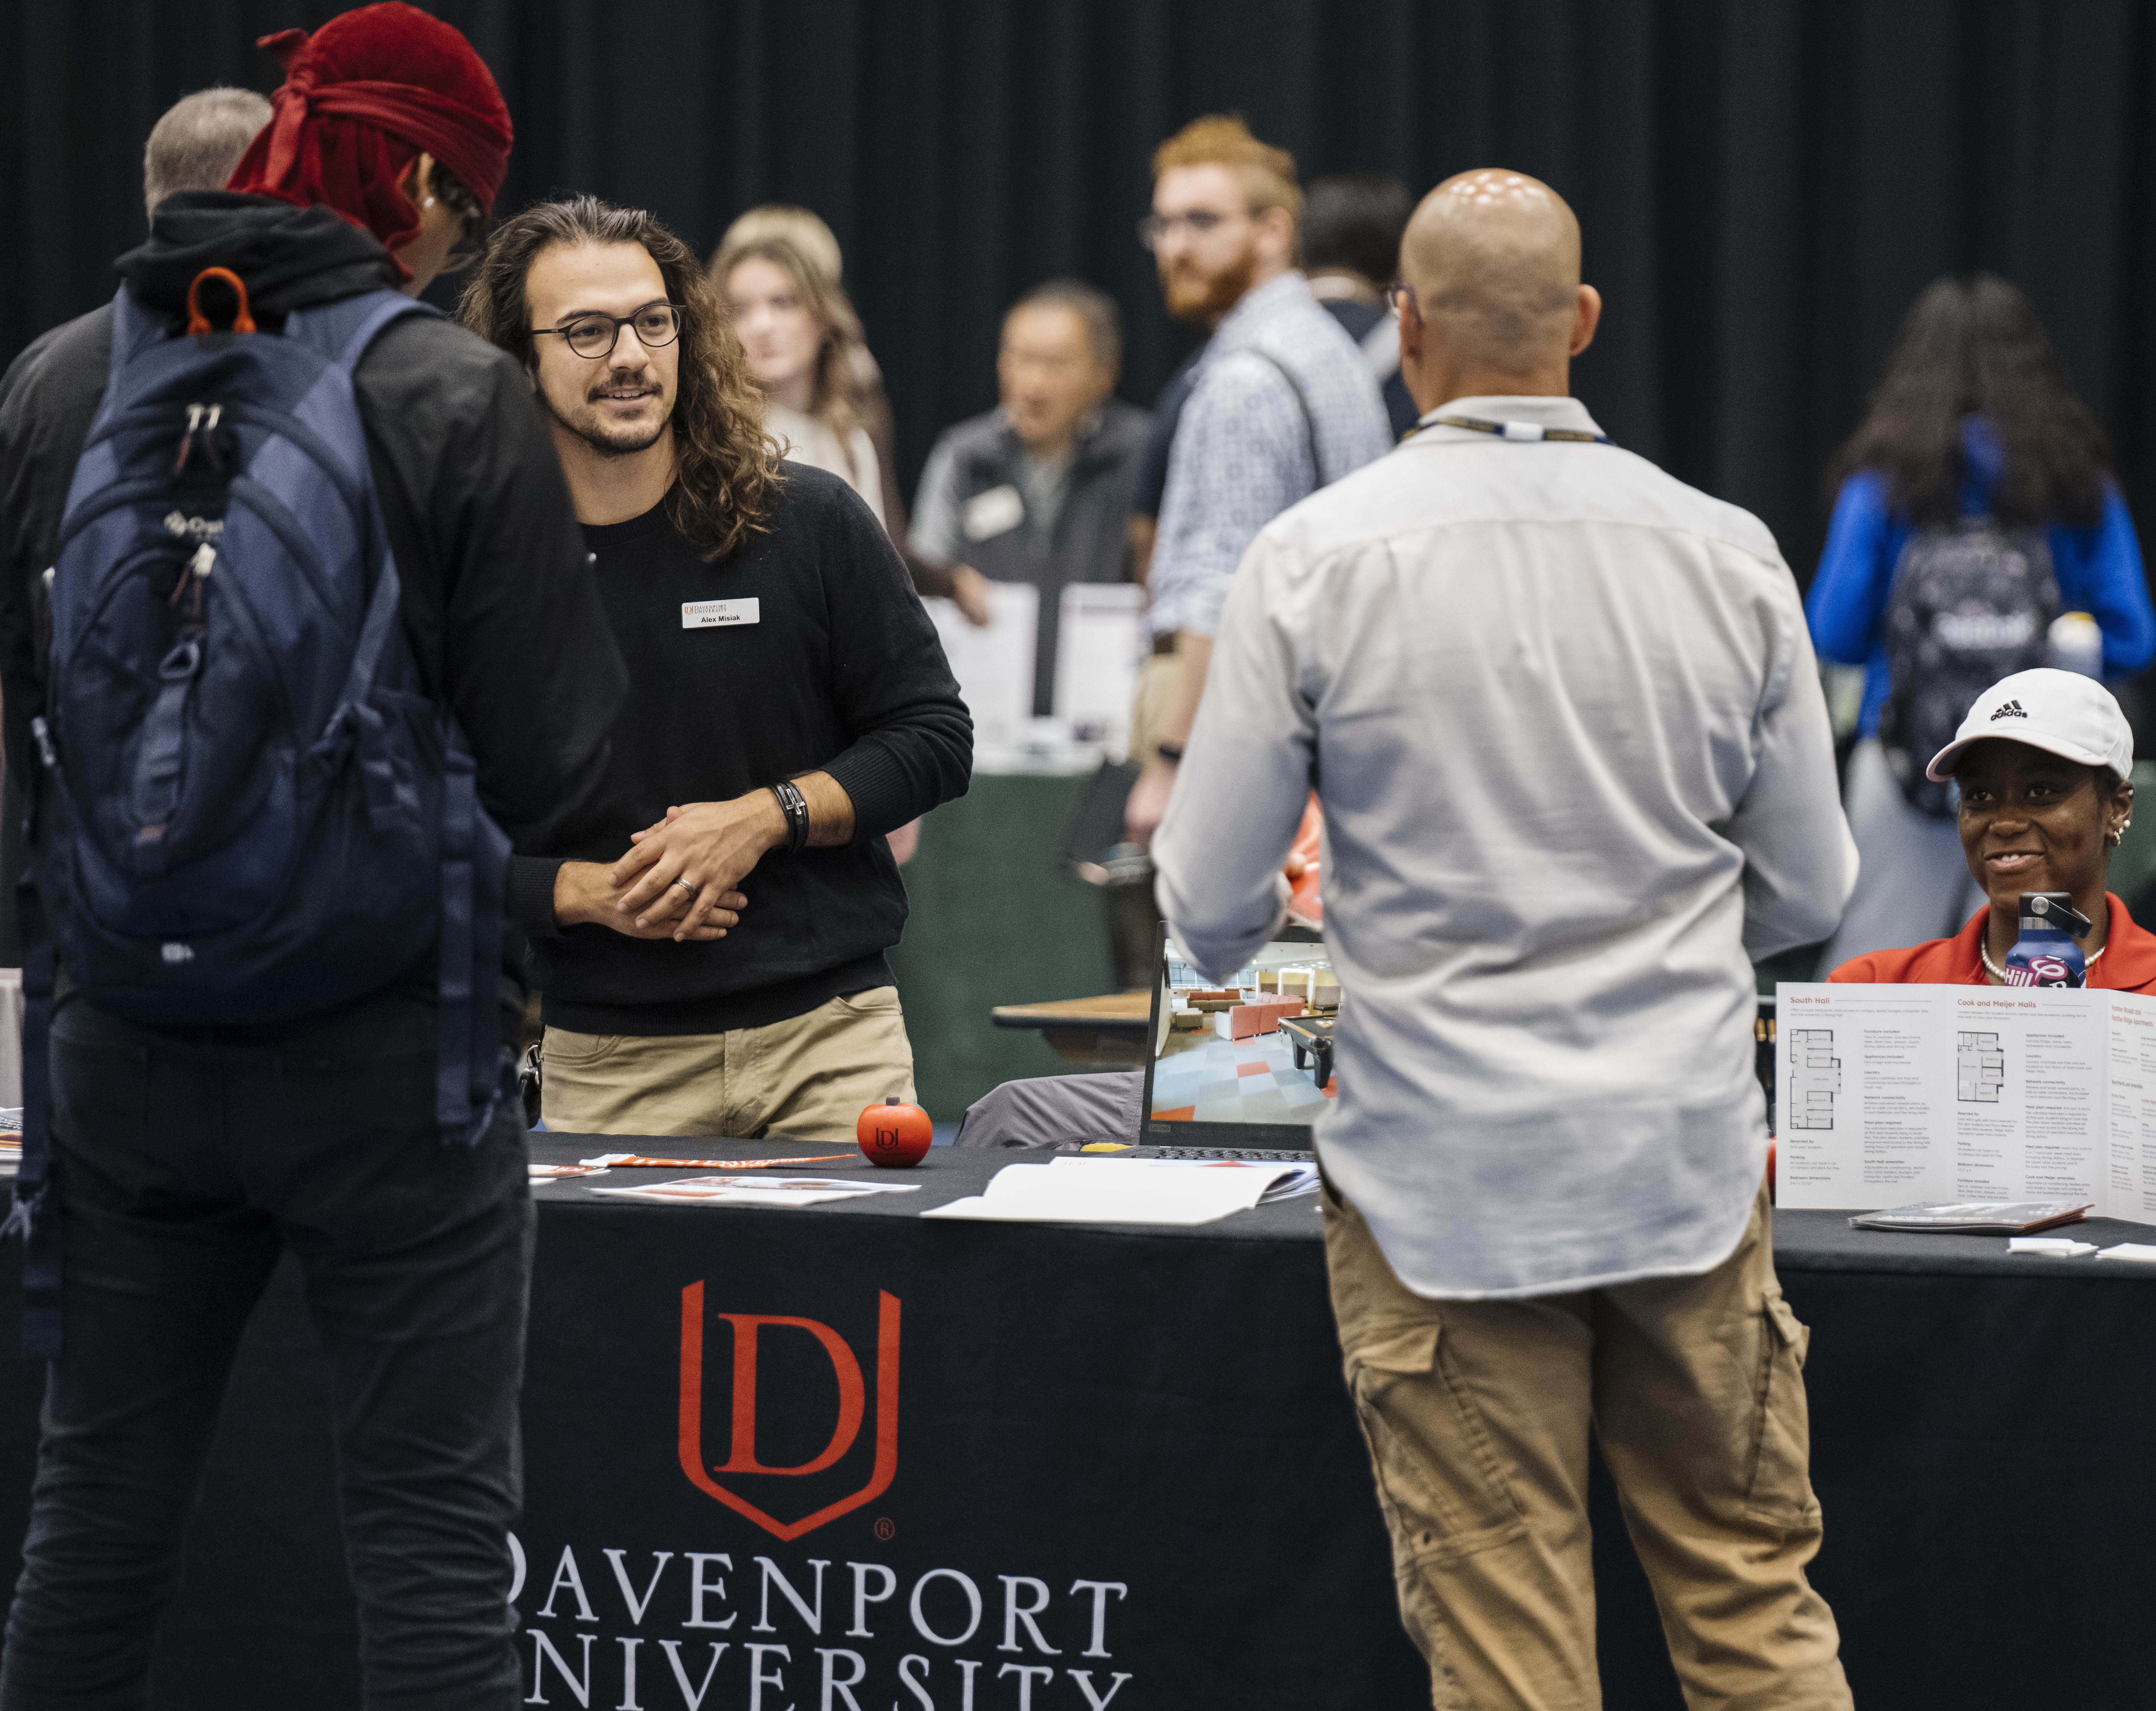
{"type": "Point", "coordinates": [1764, 186]}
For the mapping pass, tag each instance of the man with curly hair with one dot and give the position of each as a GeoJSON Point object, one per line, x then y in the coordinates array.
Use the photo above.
{"type": "Point", "coordinates": [711, 937]}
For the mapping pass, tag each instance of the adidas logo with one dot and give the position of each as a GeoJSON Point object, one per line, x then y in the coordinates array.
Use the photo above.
{"type": "Point", "coordinates": [2012, 709]}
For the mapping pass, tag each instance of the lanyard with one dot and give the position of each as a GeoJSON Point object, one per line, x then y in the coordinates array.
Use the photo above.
{"type": "Point", "coordinates": [1518, 430]}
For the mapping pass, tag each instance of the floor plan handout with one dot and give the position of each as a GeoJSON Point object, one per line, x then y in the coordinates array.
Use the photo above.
{"type": "Point", "coordinates": [1894, 1094]}
{"type": "Point", "coordinates": [1815, 1080]}
{"type": "Point", "coordinates": [1981, 1069]}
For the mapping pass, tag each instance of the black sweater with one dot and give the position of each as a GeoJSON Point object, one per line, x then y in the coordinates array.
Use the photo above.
{"type": "Point", "coordinates": [842, 672]}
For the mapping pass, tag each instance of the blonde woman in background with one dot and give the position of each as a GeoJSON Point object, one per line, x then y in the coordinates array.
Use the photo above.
{"type": "Point", "coordinates": [781, 270]}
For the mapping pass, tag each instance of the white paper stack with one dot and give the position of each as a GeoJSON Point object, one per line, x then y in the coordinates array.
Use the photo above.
{"type": "Point", "coordinates": [2057, 1248]}
{"type": "Point", "coordinates": [1078, 1190]}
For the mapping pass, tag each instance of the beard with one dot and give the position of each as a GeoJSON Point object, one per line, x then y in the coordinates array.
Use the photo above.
{"type": "Point", "coordinates": [609, 439]}
{"type": "Point", "coordinates": [1193, 295]}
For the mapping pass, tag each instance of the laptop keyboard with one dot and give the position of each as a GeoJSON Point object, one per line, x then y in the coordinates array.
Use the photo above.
{"type": "Point", "coordinates": [1256, 1154]}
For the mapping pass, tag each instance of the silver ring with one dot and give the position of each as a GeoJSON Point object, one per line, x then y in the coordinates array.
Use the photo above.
{"type": "Point", "coordinates": [686, 886]}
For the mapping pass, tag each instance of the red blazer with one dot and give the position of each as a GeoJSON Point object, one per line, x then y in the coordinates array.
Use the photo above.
{"type": "Point", "coordinates": [2127, 963]}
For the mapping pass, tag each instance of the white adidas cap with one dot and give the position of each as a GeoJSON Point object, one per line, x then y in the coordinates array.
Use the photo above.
{"type": "Point", "coordinates": [2062, 712]}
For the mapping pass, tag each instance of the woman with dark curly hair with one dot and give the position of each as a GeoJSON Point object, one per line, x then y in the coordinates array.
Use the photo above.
{"type": "Point", "coordinates": [788, 706]}
{"type": "Point", "coordinates": [1975, 534]}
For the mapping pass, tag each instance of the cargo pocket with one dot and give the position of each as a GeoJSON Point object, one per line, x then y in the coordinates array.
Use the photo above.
{"type": "Point", "coordinates": [1780, 1489]}
{"type": "Point", "coordinates": [1444, 1494]}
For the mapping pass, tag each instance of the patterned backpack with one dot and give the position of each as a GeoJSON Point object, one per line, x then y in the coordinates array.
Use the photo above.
{"type": "Point", "coordinates": [1969, 605]}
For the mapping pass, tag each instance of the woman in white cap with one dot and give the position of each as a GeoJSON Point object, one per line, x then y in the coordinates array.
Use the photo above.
{"type": "Point", "coordinates": [2043, 761]}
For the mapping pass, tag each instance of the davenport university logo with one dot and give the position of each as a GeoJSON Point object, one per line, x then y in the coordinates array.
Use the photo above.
{"type": "Point", "coordinates": [792, 1411]}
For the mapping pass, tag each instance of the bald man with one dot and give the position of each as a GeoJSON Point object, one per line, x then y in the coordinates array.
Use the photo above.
{"type": "Point", "coordinates": [1577, 775]}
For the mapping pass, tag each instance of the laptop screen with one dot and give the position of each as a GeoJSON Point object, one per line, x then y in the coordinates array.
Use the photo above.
{"type": "Point", "coordinates": [1246, 1062]}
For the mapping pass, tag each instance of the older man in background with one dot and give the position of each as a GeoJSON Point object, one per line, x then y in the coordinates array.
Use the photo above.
{"type": "Point", "coordinates": [53, 388]}
{"type": "Point", "coordinates": [1036, 490]}
{"type": "Point", "coordinates": [1577, 772]}
{"type": "Point", "coordinates": [1281, 404]}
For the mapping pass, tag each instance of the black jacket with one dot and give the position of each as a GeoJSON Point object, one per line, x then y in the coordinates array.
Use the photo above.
{"type": "Point", "coordinates": [839, 671]}
{"type": "Point", "coordinates": [498, 604]}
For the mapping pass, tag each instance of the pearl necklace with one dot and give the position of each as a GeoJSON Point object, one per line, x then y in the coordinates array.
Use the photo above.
{"type": "Point", "coordinates": [1984, 950]}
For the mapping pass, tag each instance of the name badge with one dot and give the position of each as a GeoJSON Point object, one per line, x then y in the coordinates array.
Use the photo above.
{"type": "Point", "coordinates": [995, 512]}
{"type": "Point", "coordinates": [719, 615]}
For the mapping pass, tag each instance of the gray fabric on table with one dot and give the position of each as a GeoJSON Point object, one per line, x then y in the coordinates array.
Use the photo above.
{"type": "Point", "coordinates": [1056, 1110]}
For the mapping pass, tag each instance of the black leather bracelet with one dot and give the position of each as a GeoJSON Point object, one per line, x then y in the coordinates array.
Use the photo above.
{"type": "Point", "coordinates": [1171, 752]}
{"type": "Point", "coordinates": [795, 806]}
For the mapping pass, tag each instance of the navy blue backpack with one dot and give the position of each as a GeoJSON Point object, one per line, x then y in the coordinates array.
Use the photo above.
{"type": "Point", "coordinates": [248, 809]}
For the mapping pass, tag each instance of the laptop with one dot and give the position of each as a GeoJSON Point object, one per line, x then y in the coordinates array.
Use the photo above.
{"type": "Point", "coordinates": [1240, 1069]}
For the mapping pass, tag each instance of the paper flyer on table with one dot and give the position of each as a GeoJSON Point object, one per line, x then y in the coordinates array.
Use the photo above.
{"type": "Point", "coordinates": [1071, 1191]}
{"type": "Point", "coordinates": [1890, 1094]}
{"type": "Point", "coordinates": [756, 1191]}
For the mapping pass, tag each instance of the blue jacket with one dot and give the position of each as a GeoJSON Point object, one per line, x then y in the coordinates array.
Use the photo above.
{"type": "Point", "coordinates": [2098, 569]}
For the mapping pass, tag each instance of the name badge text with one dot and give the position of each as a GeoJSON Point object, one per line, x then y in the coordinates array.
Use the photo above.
{"type": "Point", "coordinates": [718, 615]}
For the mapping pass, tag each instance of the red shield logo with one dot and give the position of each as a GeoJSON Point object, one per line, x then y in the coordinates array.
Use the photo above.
{"type": "Point", "coordinates": [845, 1430]}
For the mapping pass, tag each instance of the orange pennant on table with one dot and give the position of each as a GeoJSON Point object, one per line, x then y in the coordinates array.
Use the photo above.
{"type": "Point", "coordinates": [633, 1161]}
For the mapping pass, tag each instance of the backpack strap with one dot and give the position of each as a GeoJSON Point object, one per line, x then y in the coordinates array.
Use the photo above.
{"type": "Point", "coordinates": [135, 329]}
{"type": "Point", "coordinates": [340, 332]}
{"type": "Point", "coordinates": [1301, 405]}
{"type": "Point", "coordinates": [472, 1072]}
{"type": "Point", "coordinates": [35, 1214]}
{"type": "Point", "coordinates": [471, 1075]}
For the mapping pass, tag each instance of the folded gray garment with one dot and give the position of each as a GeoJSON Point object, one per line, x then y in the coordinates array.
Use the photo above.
{"type": "Point", "coordinates": [1056, 1110]}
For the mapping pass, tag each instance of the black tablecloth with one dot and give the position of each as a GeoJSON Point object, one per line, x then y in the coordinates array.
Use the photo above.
{"type": "Point", "coordinates": [1078, 1411]}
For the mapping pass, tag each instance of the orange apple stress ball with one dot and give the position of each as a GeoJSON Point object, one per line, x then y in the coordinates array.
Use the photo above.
{"type": "Point", "coordinates": [894, 1133]}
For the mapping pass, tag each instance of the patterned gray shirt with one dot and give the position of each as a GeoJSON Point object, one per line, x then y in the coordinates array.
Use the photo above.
{"type": "Point", "coordinates": [1284, 403]}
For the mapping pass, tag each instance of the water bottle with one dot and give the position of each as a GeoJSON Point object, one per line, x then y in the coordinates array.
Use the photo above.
{"type": "Point", "coordinates": [2045, 954]}
{"type": "Point", "coordinates": [2076, 644]}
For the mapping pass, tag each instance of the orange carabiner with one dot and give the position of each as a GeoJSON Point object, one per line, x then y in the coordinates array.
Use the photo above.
{"type": "Point", "coordinates": [199, 322]}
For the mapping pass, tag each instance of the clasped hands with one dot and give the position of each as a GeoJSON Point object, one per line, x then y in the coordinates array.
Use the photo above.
{"type": "Point", "coordinates": [678, 880]}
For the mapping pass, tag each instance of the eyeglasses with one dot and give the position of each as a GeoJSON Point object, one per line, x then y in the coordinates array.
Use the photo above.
{"type": "Point", "coordinates": [1153, 230]}
{"type": "Point", "coordinates": [471, 241]}
{"type": "Point", "coordinates": [593, 336]}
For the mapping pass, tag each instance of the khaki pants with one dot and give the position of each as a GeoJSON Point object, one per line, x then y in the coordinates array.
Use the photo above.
{"type": "Point", "coordinates": [809, 1075]}
{"type": "Point", "coordinates": [1160, 677]}
{"type": "Point", "coordinates": [1476, 1416]}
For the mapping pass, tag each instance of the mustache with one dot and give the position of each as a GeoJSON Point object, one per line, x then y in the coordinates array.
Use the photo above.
{"type": "Point", "coordinates": [618, 385]}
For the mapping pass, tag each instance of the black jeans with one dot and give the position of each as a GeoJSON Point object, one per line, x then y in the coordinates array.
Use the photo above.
{"type": "Point", "coordinates": [184, 1162]}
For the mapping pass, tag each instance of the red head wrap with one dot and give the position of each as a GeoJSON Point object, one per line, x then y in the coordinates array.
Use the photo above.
{"type": "Point", "coordinates": [362, 97]}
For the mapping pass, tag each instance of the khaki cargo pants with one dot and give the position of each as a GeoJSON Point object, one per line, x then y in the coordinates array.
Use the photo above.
{"type": "Point", "coordinates": [1476, 1414]}
{"type": "Point", "coordinates": [809, 1075]}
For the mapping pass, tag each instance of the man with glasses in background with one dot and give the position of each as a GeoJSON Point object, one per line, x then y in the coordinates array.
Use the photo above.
{"type": "Point", "coordinates": [710, 937]}
{"type": "Point", "coordinates": [1281, 404]}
